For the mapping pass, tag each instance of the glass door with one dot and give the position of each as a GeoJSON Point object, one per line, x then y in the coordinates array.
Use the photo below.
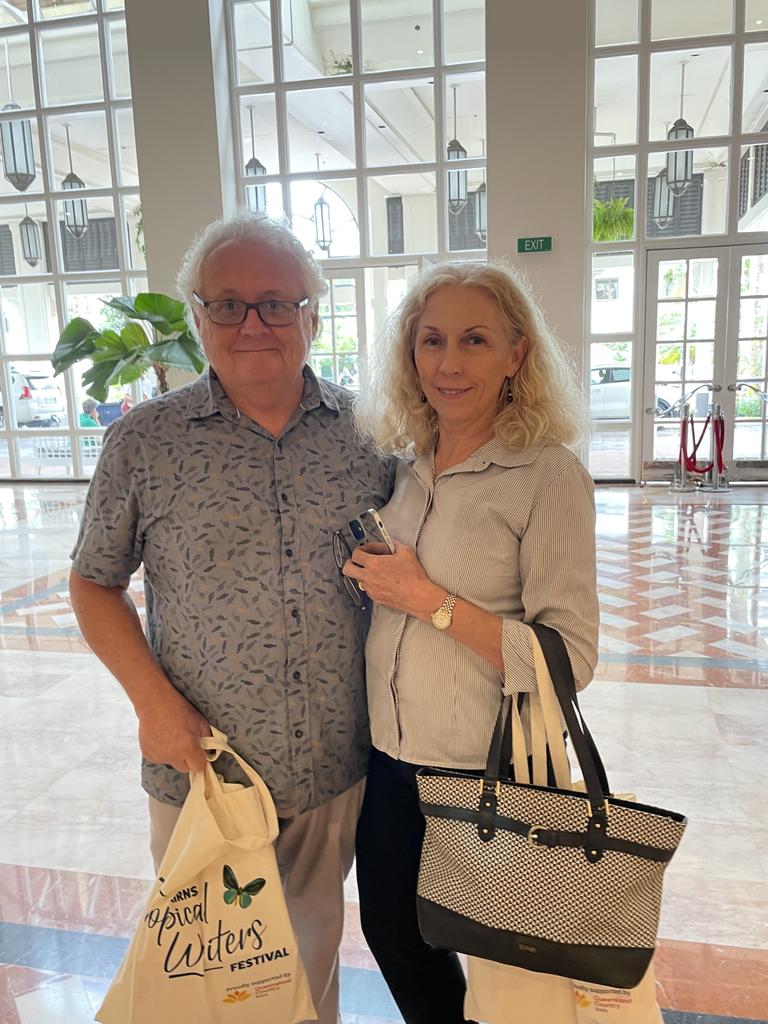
{"type": "Point", "coordinates": [747, 364]}
{"type": "Point", "coordinates": [706, 341]}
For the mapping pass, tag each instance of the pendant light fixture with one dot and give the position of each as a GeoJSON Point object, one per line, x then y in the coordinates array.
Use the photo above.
{"type": "Point", "coordinates": [29, 232]}
{"type": "Point", "coordinates": [256, 194]}
{"type": "Point", "coordinates": [321, 217]}
{"type": "Point", "coordinates": [457, 180]}
{"type": "Point", "coordinates": [663, 209]}
{"type": "Point", "coordinates": [16, 141]}
{"type": "Point", "coordinates": [481, 208]}
{"type": "Point", "coordinates": [680, 161]}
{"type": "Point", "coordinates": [75, 210]}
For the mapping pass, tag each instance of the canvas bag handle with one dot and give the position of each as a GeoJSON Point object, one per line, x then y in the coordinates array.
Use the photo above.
{"type": "Point", "coordinates": [216, 744]}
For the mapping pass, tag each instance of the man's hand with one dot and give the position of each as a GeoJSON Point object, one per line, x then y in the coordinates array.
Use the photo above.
{"type": "Point", "coordinates": [169, 733]}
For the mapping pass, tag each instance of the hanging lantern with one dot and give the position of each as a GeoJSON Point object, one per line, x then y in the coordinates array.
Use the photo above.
{"type": "Point", "coordinates": [481, 212]}
{"type": "Point", "coordinates": [457, 180]}
{"type": "Point", "coordinates": [31, 249]}
{"type": "Point", "coordinates": [663, 210]}
{"type": "Point", "coordinates": [256, 194]}
{"type": "Point", "coordinates": [680, 161]}
{"type": "Point", "coordinates": [18, 152]}
{"type": "Point", "coordinates": [75, 210]}
{"type": "Point", "coordinates": [322, 219]}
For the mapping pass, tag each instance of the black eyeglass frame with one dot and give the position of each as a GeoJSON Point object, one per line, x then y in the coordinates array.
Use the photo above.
{"type": "Point", "coordinates": [340, 557]}
{"type": "Point", "coordinates": [206, 304]}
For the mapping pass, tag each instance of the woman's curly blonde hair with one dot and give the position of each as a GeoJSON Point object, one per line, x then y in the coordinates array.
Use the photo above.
{"type": "Point", "coordinates": [547, 405]}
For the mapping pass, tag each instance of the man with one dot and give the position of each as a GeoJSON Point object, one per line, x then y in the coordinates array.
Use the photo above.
{"type": "Point", "coordinates": [228, 491]}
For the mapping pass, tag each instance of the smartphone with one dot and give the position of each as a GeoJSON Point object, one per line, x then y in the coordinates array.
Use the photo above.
{"type": "Point", "coordinates": [368, 528]}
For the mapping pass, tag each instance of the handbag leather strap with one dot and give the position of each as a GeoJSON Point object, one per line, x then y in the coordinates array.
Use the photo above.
{"type": "Point", "coordinates": [596, 782]}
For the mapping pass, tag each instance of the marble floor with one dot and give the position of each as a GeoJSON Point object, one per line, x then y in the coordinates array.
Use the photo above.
{"type": "Point", "coordinates": [679, 708]}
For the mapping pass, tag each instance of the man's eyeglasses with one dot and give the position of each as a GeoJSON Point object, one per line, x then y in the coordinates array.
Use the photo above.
{"type": "Point", "coordinates": [341, 552]}
{"type": "Point", "coordinates": [272, 312]}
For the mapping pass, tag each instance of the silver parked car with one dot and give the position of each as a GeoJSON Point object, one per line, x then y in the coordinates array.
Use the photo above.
{"type": "Point", "coordinates": [610, 394]}
{"type": "Point", "coordinates": [38, 400]}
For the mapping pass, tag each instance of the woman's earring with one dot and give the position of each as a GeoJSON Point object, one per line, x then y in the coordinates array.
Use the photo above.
{"type": "Point", "coordinates": [423, 399]}
{"type": "Point", "coordinates": [510, 393]}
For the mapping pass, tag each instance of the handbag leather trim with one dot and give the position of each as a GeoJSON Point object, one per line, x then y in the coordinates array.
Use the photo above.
{"type": "Point", "coordinates": [615, 966]}
{"type": "Point", "coordinates": [537, 835]}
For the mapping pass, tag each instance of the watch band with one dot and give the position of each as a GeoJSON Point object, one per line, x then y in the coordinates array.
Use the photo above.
{"type": "Point", "coordinates": [442, 618]}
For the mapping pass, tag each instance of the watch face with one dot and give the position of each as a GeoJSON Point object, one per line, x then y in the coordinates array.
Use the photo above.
{"type": "Point", "coordinates": [441, 619]}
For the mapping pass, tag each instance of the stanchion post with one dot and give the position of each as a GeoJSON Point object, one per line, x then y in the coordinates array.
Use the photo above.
{"type": "Point", "coordinates": [680, 481]}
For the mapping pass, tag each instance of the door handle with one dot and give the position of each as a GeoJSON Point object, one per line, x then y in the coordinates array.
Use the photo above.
{"type": "Point", "coordinates": [733, 387]}
{"type": "Point", "coordinates": [716, 387]}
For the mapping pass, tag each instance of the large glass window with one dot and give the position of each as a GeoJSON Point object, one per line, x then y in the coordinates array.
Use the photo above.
{"type": "Point", "coordinates": [665, 107]}
{"type": "Point", "coordinates": [62, 249]}
{"type": "Point", "coordinates": [372, 145]}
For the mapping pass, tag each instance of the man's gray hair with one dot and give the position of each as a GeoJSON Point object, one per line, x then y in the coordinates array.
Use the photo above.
{"type": "Point", "coordinates": [246, 228]}
{"type": "Point", "coordinates": [90, 405]}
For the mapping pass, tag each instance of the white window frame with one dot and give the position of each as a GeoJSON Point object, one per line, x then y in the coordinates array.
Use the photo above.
{"type": "Point", "coordinates": [641, 150]}
{"type": "Point", "coordinates": [130, 279]}
{"type": "Point", "coordinates": [357, 80]}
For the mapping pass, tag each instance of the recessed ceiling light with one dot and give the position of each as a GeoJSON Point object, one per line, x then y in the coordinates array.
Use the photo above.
{"type": "Point", "coordinates": [421, 51]}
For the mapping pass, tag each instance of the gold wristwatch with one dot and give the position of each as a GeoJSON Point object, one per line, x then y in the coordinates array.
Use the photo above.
{"type": "Point", "coordinates": [442, 618]}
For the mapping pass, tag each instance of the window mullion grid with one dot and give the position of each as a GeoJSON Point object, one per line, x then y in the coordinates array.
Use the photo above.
{"type": "Point", "coordinates": [368, 78]}
{"type": "Point", "coordinates": [737, 124]}
{"type": "Point", "coordinates": [107, 68]}
{"type": "Point", "coordinates": [281, 112]}
{"type": "Point", "coordinates": [8, 400]}
{"type": "Point", "coordinates": [236, 92]}
{"type": "Point", "coordinates": [358, 98]}
{"type": "Point", "coordinates": [54, 242]}
{"type": "Point", "coordinates": [440, 137]}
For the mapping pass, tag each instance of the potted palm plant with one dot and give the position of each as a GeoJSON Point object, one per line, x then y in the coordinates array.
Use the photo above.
{"type": "Point", "coordinates": [155, 336]}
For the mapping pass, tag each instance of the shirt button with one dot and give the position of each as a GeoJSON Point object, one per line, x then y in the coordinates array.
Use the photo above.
{"type": "Point", "coordinates": [295, 613]}
{"type": "Point", "coordinates": [284, 496]}
{"type": "Point", "coordinates": [297, 675]}
{"type": "Point", "coordinates": [298, 734]}
{"type": "Point", "coordinates": [289, 552]}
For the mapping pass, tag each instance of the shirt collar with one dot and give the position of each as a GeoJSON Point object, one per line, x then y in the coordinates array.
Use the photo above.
{"type": "Point", "coordinates": [494, 452]}
{"type": "Point", "coordinates": [206, 396]}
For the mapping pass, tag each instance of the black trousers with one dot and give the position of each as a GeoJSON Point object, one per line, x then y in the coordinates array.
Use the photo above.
{"type": "Point", "coordinates": [427, 984]}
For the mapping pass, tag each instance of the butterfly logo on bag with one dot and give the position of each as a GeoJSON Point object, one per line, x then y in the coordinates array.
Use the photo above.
{"type": "Point", "coordinates": [234, 891]}
{"type": "Point", "coordinates": [581, 1000]}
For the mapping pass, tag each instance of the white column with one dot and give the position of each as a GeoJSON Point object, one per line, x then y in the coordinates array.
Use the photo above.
{"type": "Point", "coordinates": [184, 129]}
{"type": "Point", "coordinates": [537, 123]}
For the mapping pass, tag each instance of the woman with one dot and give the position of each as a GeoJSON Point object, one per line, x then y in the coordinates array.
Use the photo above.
{"type": "Point", "coordinates": [494, 520]}
{"type": "Point", "coordinates": [89, 417]}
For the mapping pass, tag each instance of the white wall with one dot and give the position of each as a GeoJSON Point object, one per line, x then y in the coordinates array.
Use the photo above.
{"type": "Point", "coordinates": [536, 91]}
{"type": "Point", "coordinates": [184, 137]}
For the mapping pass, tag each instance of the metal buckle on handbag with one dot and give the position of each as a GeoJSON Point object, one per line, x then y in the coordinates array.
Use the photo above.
{"type": "Point", "coordinates": [533, 835]}
{"type": "Point", "coordinates": [484, 790]}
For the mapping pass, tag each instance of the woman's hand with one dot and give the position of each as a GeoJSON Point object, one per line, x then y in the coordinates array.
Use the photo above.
{"type": "Point", "coordinates": [397, 581]}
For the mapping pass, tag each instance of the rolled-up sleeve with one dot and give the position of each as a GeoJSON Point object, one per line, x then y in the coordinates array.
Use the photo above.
{"type": "Point", "coordinates": [558, 581]}
{"type": "Point", "coordinates": [109, 546]}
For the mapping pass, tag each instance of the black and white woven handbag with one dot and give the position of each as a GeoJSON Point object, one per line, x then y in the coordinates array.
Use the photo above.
{"type": "Point", "coordinates": [541, 877]}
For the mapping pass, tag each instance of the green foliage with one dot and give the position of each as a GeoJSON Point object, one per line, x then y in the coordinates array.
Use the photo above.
{"type": "Point", "coordinates": [125, 352]}
{"type": "Point", "coordinates": [613, 220]}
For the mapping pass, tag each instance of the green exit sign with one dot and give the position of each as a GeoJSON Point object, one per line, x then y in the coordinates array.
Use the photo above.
{"type": "Point", "coordinates": [543, 244]}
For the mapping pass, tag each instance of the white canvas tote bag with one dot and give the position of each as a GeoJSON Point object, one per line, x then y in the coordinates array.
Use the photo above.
{"type": "Point", "coordinates": [215, 944]}
{"type": "Point", "coordinates": [502, 994]}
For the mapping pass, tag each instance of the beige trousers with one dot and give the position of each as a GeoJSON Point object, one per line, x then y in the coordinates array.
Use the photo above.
{"type": "Point", "coordinates": [314, 851]}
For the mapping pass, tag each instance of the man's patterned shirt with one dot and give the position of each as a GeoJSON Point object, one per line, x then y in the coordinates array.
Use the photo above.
{"type": "Point", "coordinates": [246, 611]}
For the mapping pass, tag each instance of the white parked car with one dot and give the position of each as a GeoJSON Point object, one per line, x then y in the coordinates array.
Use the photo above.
{"type": "Point", "coordinates": [610, 394]}
{"type": "Point", "coordinates": [37, 400]}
